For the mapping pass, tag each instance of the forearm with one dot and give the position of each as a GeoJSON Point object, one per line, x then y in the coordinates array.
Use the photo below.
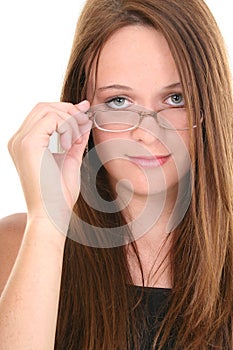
{"type": "Point", "coordinates": [29, 302]}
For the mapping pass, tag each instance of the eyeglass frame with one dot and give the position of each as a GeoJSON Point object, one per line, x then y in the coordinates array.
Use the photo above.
{"type": "Point", "coordinates": [142, 115]}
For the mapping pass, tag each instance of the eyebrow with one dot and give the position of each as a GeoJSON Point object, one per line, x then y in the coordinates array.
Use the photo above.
{"type": "Point", "coordinates": [172, 86]}
{"type": "Point", "coordinates": [125, 87]}
{"type": "Point", "coordinates": [114, 87]}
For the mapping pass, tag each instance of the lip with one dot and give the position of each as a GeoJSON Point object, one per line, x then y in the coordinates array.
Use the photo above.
{"type": "Point", "coordinates": [149, 162]}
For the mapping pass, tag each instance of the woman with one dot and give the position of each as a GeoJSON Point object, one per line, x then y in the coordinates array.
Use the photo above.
{"type": "Point", "coordinates": [148, 262]}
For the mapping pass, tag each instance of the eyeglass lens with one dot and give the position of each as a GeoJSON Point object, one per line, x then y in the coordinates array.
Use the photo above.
{"type": "Point", "coordinates": [122, 120]}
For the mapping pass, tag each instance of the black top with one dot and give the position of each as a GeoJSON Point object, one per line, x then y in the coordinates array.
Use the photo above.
{"type": "Point", "coordinates": [154, 303]}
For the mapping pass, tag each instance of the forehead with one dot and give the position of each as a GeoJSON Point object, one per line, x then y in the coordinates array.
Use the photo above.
{"type": "Point", "coordinates": [136, 55]}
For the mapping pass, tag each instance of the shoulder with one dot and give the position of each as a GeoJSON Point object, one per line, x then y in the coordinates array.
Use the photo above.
{"type": "Point", "coordinates": [11, 233]}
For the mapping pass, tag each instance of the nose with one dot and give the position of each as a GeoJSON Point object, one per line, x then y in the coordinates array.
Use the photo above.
{"type": "Point", "coordinates": [148, 130]}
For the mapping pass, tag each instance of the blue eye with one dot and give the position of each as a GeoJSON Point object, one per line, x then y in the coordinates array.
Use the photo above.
{"type": "Point", "coordinates": [176, 100]}
{"type": "Point", "coordinates": [118, 102]}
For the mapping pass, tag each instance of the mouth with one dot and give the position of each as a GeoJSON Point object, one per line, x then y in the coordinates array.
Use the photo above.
{"type": "Point", "coordinates": [149, 162]}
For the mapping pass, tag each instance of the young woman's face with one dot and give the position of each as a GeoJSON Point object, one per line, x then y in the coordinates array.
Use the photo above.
{"type": "Point", "coordinates": [136, 67]}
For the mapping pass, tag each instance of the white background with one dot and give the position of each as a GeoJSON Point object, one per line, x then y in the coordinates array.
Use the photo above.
{"type": "Point", "coordinates": [35, 43]}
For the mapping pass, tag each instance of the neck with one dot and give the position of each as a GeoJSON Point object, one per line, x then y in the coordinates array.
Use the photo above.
{"type": "Point", "coordinates": [147, 217]}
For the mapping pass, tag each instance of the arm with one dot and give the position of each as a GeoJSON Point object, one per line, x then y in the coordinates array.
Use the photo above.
{"type": "Point", "coordinates": [29, 302]}
{"type": "Point", "coordinates": [11, 233]}
{"type": "Point", "coordinates": [51, 183]}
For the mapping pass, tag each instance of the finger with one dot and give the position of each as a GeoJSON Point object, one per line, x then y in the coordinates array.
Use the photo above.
{"type": "Point", "coordinates": [83, 106]}
{"type": "Point", "coordinates": [64, 109]}
{"type": "Point", "coordinates": [73, 133]}
{"type": "Point", "coordinates": [69, 130]}
{"type": "Point", "coordinates": [70, 162]}
{"type": "Point", "coordinates": [38, 137]}
{"type": "Point", "coordinates": [67, 125]}
{"type": "Point", "coordinates": [77, 149]}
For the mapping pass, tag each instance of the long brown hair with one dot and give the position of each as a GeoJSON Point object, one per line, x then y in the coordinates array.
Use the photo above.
{"type": "Point", "coordinates": [95, 305]}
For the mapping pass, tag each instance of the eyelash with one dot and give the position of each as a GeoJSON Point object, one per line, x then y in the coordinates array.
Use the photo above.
{"type": "Point", "coordinates": [177, 94]}
{"type": "Point", "coordinates": [112, 99]}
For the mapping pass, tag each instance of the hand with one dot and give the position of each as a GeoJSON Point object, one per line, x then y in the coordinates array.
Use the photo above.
{"type": "Point", "coordinates": [51, 182]}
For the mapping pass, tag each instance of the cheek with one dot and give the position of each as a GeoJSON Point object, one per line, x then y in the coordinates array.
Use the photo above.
{"type": "Point", "coordinates": [182, 158]}
{"type": "Point", "coordinates": [110, 147]}
{"type": "Point", "coordinates": [99, 136]}
{"type": "Point", "coordinates": [103, 136]}
{"type": "Point", "coordinates": [178, 144]}
{"type": "Point", "coordinates": [186, 140]}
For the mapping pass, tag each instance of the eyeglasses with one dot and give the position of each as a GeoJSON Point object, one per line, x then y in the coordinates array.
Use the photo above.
{"type": "Point", "coordinates": [130, 118]}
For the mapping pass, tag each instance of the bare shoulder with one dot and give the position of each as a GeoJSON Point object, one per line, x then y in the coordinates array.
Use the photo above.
{"type": "Point", "coordinates": [11, 233]}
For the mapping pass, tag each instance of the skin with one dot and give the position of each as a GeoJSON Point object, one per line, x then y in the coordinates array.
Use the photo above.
{"type": "Point", "coordinates": [146, 71]}
{"type": "Point", "coordinates": [36, 275]}
{"type": "Point", "coordinates": [136, 57]}
{"type": "Point", "coordinates": [142, 77]}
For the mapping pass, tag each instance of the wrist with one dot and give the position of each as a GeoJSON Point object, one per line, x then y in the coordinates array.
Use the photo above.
{"type": "Point", "coordinates": [41, 225]}
{"type": "Point", "coordinates": [59, 220]}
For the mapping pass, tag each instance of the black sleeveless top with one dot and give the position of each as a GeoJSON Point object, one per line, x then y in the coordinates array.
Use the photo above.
{"type": "Point", "coordinates": [154, 303]}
